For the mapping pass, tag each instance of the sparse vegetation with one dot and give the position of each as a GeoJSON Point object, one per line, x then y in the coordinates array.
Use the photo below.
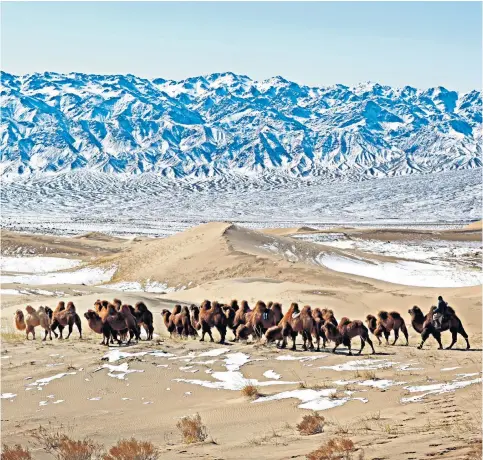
{"type": "Point", "coordinates": [192, 429]}
{"type": "Point", "coordinates": [336, 449]}
{"type": "Point", "coordinates": [337, 395]}
{"type": "Point", "coordinates": [62, 447]}
{"type": "Point", "coordinates": [250, 391]}
{"type": "Point", "coordinates": [311, 424]}
{"type": "Point", "coordinates": [16, 452]}
{"type": "Point", "coordinates": [10, 335]}
{"type": "Point", "coordinates": [132, 449]}
{"type": "Point", "coordinates": [475, 452]}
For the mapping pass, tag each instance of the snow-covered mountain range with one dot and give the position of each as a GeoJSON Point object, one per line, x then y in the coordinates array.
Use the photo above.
{"type": "Point", "coordinates": [228, 125]}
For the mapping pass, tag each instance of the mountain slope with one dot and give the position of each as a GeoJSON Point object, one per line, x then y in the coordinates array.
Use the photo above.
{"type": "Point", "coordinates": [228, 124]}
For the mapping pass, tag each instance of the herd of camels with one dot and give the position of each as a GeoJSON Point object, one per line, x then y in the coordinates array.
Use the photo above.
{"type": "Point", "coordinates": [120, 322]}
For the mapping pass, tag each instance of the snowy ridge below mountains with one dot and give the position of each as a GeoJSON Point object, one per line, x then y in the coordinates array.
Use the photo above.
{"type": "Point", "coordinates": [222, 127]}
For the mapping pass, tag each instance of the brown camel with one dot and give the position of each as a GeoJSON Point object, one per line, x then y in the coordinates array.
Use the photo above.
{"type": "Point", "coordinates": [230, 314]}
{"type": "Point", "coordinates": [385, 323]}
{"type": "Point", "coordinates": [119, 321]}
{"type": "Point", "coordinates": [166, 314]}
{"type": "Point", "coordinates": [241, 315]}
{"type": "Point", "coordinates": [96, 324]}
{"type": "Point", "coordinates": [182, 322]}
{"type": "Point", "coordinates": [212, 315]}
{"type": "Point", "coordinates": [295, 322]}
{"type": "Point", "coordinates": [258, 321]}
{"type": "Point", "coordinates": [144, 318]}
{"type": "Point", "coordinates": [65, 316]}
{"type": "Point", "coordinates": [19, 320]}
{"type": "Point", "coordinates": [424, 325]}
{"type": "Point", "coordinates": [195, 316]}
{"type": "Point", "coordinates": [345, 331]}
{"type": "Point", "coordinates": [44, 316]}
{"type": "Point", "coordinates": [32, 320]}
{"type": "Point", "coordinates": [117, 303]}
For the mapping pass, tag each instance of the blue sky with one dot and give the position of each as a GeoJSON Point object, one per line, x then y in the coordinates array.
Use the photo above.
{"type": "Point", "coordinates": [397, 43]}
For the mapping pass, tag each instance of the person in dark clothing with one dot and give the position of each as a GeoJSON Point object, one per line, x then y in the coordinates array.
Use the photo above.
{"type": "Point", "coordinates": [440, 312]}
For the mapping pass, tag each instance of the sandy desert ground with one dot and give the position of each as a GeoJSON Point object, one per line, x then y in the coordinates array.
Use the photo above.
{"type": "Point", "coordinates": [402, 403]}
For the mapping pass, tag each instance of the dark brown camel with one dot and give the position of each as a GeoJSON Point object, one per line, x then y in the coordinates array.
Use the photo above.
{"type": "Point", "coordinates": [424, 325]}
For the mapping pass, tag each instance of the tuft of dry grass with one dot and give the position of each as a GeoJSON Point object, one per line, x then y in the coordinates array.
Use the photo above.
{"type": "Point", "coordinates": [337, 395]}
{"type": "Point", "coordinates": [335, 449]}
{"type": "Point", "coordinates": [192, 429]}
{"type": "Point", "coordinates": [16, 452]}
{"type": "Point", "coordinates": [62, 447]}
{"type": "Point", "coordinates": [10, 335]}
{"type": "Point", "coordinates": [250, 391]}
{"type": "Point", "coordinates": [475, 452]}
{"type": "Point", "coordinates": [366, 375]}
{"type": "Point", "coordinates": [132, 449]}
{"type": "Point", "coordinates": [311, 424]}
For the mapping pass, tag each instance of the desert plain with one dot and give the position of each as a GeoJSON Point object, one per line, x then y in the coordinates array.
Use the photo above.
{"type": "Point", "coordinates": [401, 403]}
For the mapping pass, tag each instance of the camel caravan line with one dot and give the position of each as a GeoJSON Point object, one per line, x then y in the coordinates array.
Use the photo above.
{"type": "Point", "coordinates": [266, 323]}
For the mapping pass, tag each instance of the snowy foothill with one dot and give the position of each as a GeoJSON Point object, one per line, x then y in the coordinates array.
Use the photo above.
{"type": "Point", "coordinates": [87, 275]}
{"type": "Point", "coordinates": [408, 273]}
{"type": "Point", "coordinates": [36, 265]}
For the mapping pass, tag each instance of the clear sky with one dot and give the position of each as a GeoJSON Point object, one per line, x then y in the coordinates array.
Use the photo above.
{"type": "Point", "coordinates": [397, 43]}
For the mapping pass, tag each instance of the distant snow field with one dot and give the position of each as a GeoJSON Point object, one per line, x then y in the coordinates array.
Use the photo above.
{"type": "Point", "coordinates": [36, 264]}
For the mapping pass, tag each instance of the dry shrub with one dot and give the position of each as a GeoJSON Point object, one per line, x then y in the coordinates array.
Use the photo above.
{"type": "Point", "coordinates": [311, 424]}
{"type": "Point", "coordinates": [16, 452]}
{"type": "Point", "coordinates": [131, 449]}
{"type": "Point", "coordinates": [250, 391]}
{"type": "Point", "coordinates": [335, 449]}
{"type": "Point", "coordinates": [192, 429]}
{"type": "Point", "coordinates": [60, 446]}
{"type": "Point", "coordinates": [475, 452]}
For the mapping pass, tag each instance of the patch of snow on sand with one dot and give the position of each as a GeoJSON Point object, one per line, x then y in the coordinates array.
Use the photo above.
{"type": "Point", "coordinates": [115, 355]}
{"type": "Point", "coordinates": [437, 388]}
{"type": "Point", "coordinates": [298, 358]}
{"type": "Point", "coordinates": [45, 381]}
{"type": "Point", "coordinates": [7, 395]}
{"type": "Point", "coordinates": [136, 286]}
{"type": "Point", "coordinates": [214, 352]}
{"type": "Point", "coordinates": [445, 369]}
{"type": "Point", "coordinates": [232, 380]}
{"type": "Point", "coordinates": [270, 374]}
{"type": "Point", "coordinates": [234, 361]}
{"type": "Point", "coordinates": [36, 264]}
{"type": "Point", "coordinates": [381, 384]}
{"type": "Point", "coordinates": [311, 399]}
{"type": "Point", "coordinates": [403, 272]}
{"type": "Point", "coordinates": [361, 365]}
{"type": "Point", "coordinates": [119, 372]}
{"type": "Point", "coordinates": [88, 276]}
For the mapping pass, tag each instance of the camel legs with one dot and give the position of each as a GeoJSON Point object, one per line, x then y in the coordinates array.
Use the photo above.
{"type": "Point", "coordinates": [206, 329]}
{"type": "Point", "coordinates": [294, 336]}
{"type": "Point", "coordinates": [71, 326]}
{"type": "Point", "coordinates": [405, 332]}
{"type": "Point", "coordinates": [426, 333]}
{"type": "Point", "coordinates": [78, 324]}
{"type": "Point", "coordinates": [396, 336]}
{"type": "Point", "coordinates": [369, 341]}
{"type": "Point", "coordinates": [222, 331]}
{"type": "Point", "coordinates": [363, 342]}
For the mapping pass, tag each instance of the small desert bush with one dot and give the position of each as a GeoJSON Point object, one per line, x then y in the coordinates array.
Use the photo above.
{"type": "Point", "coordinates": [131, 449]}
{"type": "Point", "coordinates": [475, 452]}
{"type": "Point", "coordinates": [335, 449]}
{"type": "Point", "coordinates": [337, 395]}
{"type": "Point", "coordinates": [62, 447]}
{"type": "Point", "coordinates": [250, 391]}
{"type": "Point", "coordinates": [311, 424]}
{"type": "Point", "coordinates": [192, 429]}
{"type": "Point", "coordinates": [16, 452]}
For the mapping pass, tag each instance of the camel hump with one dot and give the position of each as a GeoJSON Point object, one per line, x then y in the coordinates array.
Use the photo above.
{"type": "Point", "coordinates": [344, 321]}
{"type": "Point", "coordinates": [383, 315]}
{"type": "Point", "coordinates": [395, 315]}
